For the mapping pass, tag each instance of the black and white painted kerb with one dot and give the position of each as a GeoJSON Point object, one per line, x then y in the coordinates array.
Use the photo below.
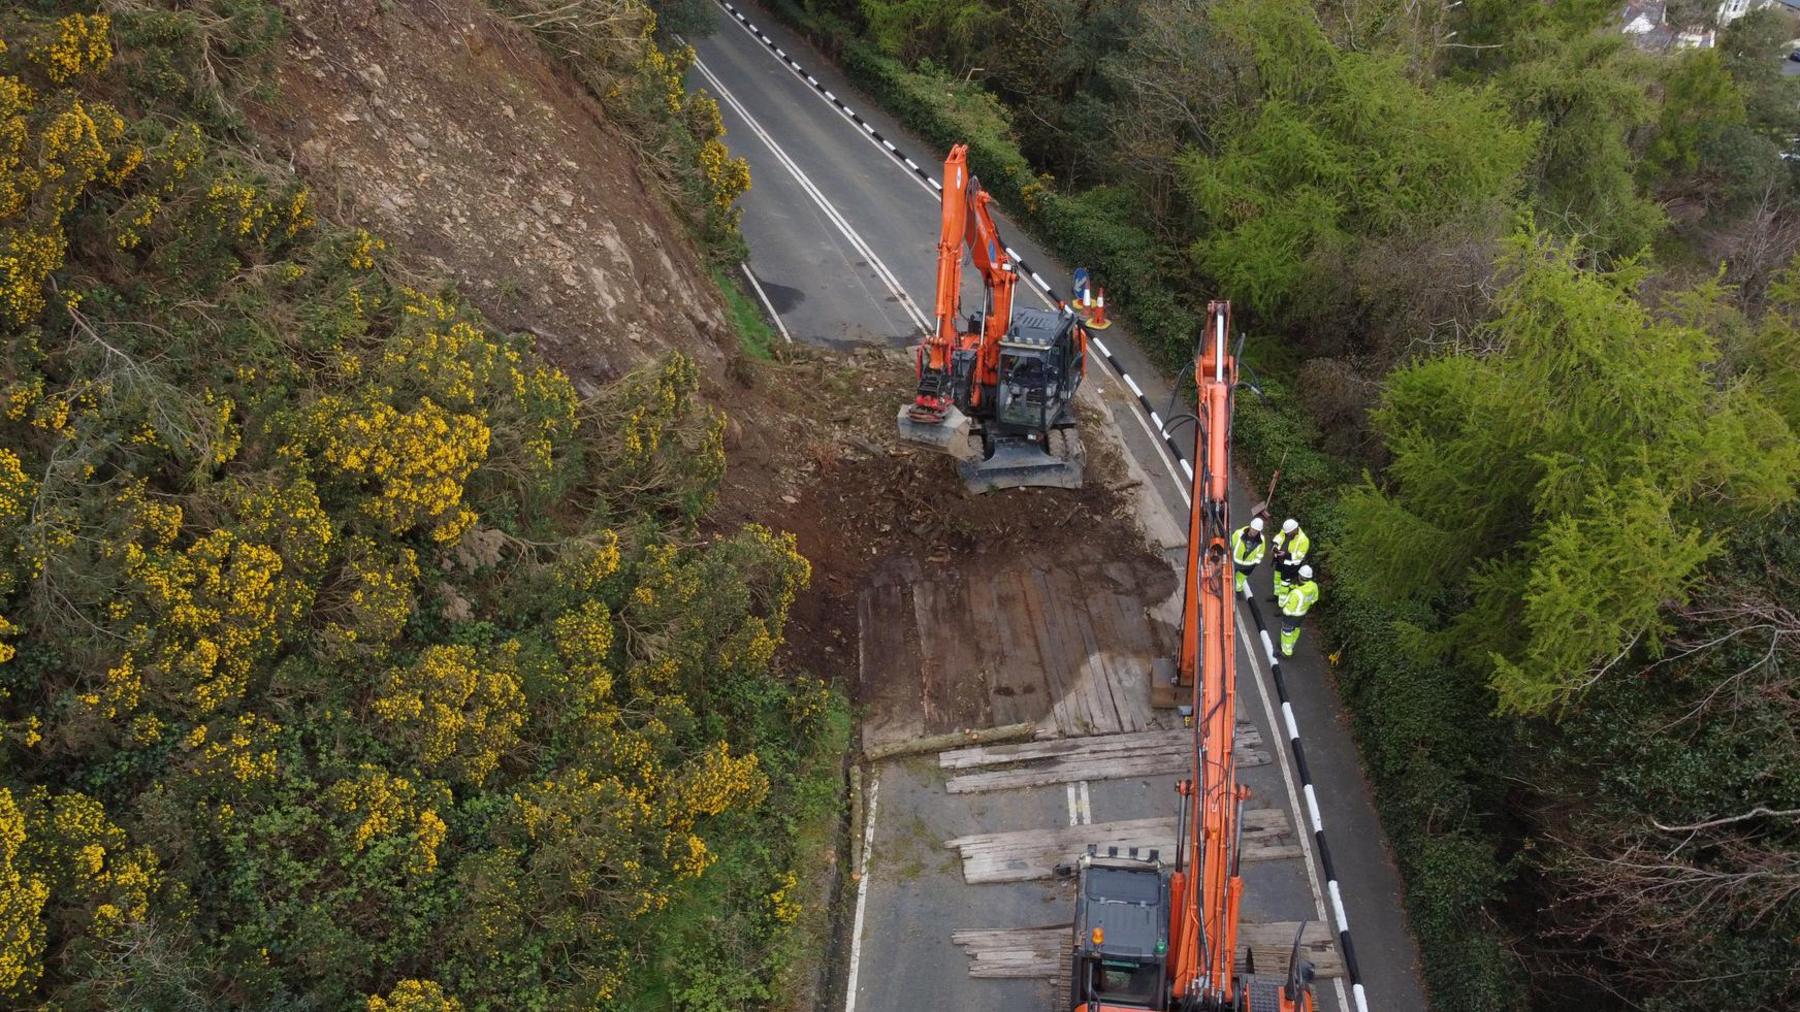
{"type": "Point", "coordinates": [1161, 429]}
{"type": "Point", "coordinates": [1312, 802]}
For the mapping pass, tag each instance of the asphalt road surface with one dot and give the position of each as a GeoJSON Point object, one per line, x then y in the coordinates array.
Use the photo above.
{"type": "Point", "coordinates": [842, 239]}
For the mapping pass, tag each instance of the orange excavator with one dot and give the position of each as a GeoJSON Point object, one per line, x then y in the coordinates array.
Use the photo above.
{"type": "Point", "coordinates": [1007, 375]}
{"type": "Point", "coordinates": [1150, 935]}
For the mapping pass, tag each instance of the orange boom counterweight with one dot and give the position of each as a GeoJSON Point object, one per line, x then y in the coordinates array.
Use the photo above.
{"type": "Point", "coordinates": [1150, 935]}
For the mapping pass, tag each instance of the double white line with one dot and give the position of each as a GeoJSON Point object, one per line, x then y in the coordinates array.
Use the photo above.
{"type": "Point", "coordinates": [832, 214]}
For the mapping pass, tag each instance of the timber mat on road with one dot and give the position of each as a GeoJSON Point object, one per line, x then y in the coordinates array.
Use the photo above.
{"type": "Point", "coordinates": [1162, 429]}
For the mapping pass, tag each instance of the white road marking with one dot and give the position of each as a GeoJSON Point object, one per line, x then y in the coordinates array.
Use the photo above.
{"type": "Point", "coordinates": [831, 212]}
{"type": "Point", "coordinates": [1087, 805]}
{"type": "Point", "coordinates": [832, 100]}
{"type": "Point", "coordinates": [1169, 462]}
{"type": "Point", "coordinates": [770, 306]}
{"type": "Point", "coordinates": [1287, 777]}
{"type": "Point", "coordinates": [1074, 806]}
{"type": "Point", "coordinates": [862, 893]}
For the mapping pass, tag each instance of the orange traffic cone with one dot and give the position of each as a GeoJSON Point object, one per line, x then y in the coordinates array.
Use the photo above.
{"type": "Point", "coordinates": [1097, 318]}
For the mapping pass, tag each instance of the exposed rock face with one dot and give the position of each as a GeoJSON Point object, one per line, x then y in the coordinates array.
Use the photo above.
{"type": "Point", "coordinates": [438, 124]}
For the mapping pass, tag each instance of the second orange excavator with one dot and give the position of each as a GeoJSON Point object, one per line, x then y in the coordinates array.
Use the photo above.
{"type": "Point", "coordinates": [1152, 935]}
{"type": "Point", "coordinates": [998, 390]}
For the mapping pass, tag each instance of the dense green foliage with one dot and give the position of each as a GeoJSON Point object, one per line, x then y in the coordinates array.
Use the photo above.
{"type": "Point", "coordinates": [1563, 488]}
{"type": "Point", "coordinates": [347, 658]}
{"type": "Point", "coordinates": [1338, 151]}
{"type": "Point", "coordinates": [1540, 533]}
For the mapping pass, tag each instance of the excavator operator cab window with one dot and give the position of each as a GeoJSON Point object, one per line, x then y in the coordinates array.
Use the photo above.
{"type": "Point", "coordinates": [1125, 981]}
{"type": "Point", "coordinates": [1027, 383]}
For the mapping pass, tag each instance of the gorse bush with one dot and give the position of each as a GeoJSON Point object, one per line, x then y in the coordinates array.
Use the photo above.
{"type": "Point", "coordinates": [615, 49]}
{"type": "Point", "coordinates": [347, 657]}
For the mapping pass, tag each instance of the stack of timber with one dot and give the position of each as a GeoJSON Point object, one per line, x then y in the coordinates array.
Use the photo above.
{"type": "Point", "coordinates": [1035, 853]}
{"type": "Point", "coordinates": [1066, 760]}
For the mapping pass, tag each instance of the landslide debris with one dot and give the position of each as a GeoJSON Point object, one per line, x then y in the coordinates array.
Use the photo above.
{"type": "Point", "coordinates": [446, 129]}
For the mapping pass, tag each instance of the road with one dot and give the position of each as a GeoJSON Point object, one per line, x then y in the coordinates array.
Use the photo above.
{"type": "Point", "coordinates": [842, 238]}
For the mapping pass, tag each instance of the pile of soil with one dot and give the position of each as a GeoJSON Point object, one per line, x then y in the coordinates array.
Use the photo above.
{"type": "Point", "coordinates": [813, 450]}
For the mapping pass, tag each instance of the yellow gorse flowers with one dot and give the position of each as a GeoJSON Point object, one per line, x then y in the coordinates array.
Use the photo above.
{"type": "Point", "coordinates": [345, 603]}
{"type": "Point", "coordinates": [81, 44]}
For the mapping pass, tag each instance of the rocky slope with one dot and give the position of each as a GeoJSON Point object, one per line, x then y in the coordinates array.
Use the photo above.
{"type": "Point", "coordinates": [442, 126]}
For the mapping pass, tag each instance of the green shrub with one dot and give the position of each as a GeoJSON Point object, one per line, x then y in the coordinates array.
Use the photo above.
{"type": "Point", "coordinates": [346, 656]}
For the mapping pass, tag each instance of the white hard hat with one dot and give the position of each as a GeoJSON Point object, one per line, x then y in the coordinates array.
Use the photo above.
{"type": "Point", "coordinates": [1290, 525]}
{"type": "Point", "coordinates": [1305, 572]}
{"type": "Point", "coordinates": [1256, 523]}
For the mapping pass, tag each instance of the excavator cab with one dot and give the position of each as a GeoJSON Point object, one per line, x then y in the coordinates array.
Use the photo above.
{"type": "Point", "coordinates": [1121, 945]}
{"type": "Point", "coordinates": [1039, 364]}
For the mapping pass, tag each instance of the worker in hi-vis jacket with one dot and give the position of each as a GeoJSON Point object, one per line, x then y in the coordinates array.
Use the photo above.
{"type": "Point", "coordinates": [1296, 600]}
{"type": "Point", "coordinates": [1291, 545]}
{"type": "Point", "coordinates": [1247, 549]}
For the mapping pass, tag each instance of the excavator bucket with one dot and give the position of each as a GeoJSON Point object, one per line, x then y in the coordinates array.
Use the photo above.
{"type": "Point", "coordinates": [1018, 462]}
{"type": "Point", "coordinates": [951, 435]}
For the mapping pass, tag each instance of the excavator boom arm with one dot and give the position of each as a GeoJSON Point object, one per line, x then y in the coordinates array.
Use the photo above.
{"type": "Point", "coordinates": [1205, 919]}
{"type": "Point", "coordinates": [997, 274]}
{"type": "Point", "coordinates": [964, 220]}
{"type": "Point", "coordinates": [953, 223]}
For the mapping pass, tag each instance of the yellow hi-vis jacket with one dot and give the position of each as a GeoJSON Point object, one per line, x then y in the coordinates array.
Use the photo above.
{"type": "Point", "coordinates": [1299, 599]}
{"type": "Point", "coordinates": [1242, 551]}
{"type": "Point", "coordinates": [1296, 545]}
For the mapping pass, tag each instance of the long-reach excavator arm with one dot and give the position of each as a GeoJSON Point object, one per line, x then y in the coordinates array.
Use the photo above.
{"type": "Point", "coordinates": [1207, 894]}
{"type": "Point", "coordinates": [1192, 966]}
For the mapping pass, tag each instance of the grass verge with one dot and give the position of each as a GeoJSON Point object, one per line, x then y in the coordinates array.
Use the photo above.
{"type": "Point", "coordinates": [756, 336]}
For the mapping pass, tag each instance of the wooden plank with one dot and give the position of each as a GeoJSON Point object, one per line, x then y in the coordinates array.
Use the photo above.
{"type": "Point", "coordinates": [1138, 644]}
{"type": "Point", "coordinates": [1259, 823]}
{"type": "Point", "coordinates": [1038, 952]}
{"type": "Point", "coordinates": [950, 670]}
{"type": "Point", "coordinates": [931, 674]}
{"type": "Point", "coordinates": [1071, 770]}
{"type": "Point", "coordinates": [1273, 944]}
{"type": "Point", "coordinates": [1034, 854]}
{"type": "Point", "coordinates": [887, 666]}
{"type": "Point", "coordinates": [1139, 622]}
{"type": "Point", "coordinates": [1070, 704]}
{"type": "Point", "coordinates": [1094, 745]}
{"type": "Point", "coordinates": [1015, 953]}
{"type": "Point", "coordinates": [1108, 647]}
{"type": "Point", "coordinates": [1020, 659]}
{"type": "Point", "coordinates": [1094, 655]}
{"type": "Point", "coordinates": [1069, 599]}
{"type": "Point", "coordinates": [1006, 700]}
{"type": "Point", "coordinates": [1035, 633]}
